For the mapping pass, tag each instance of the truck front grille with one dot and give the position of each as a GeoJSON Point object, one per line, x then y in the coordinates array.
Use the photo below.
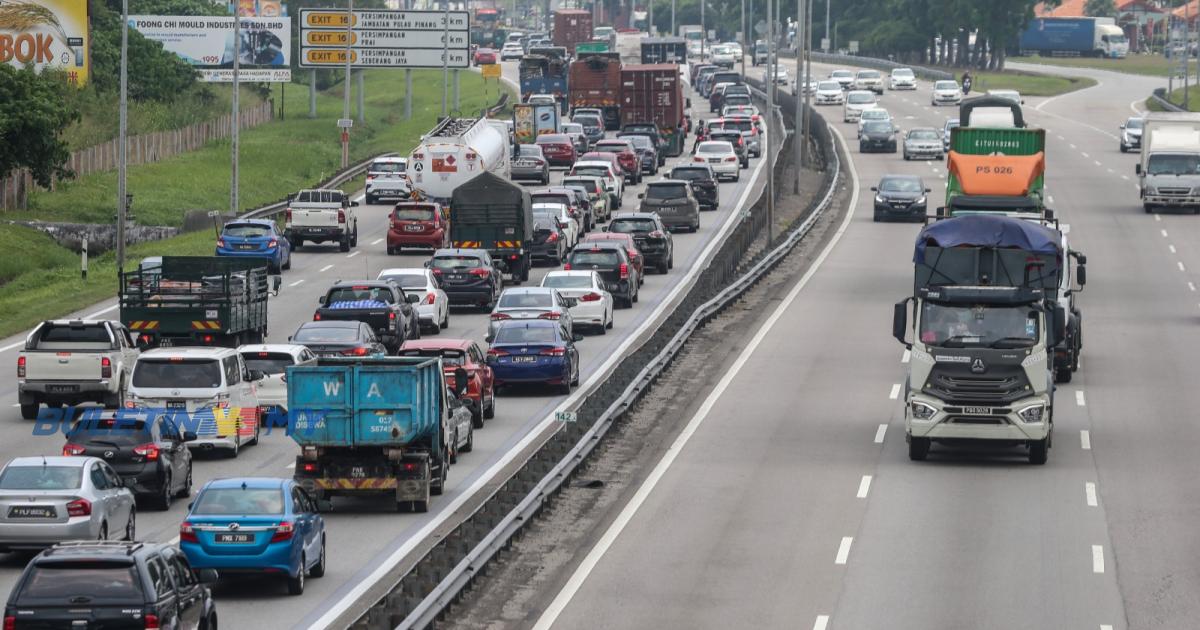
{"type": "Point", "coordinates": [1175, 192]}
{"type": "Point", "coordinates": [967, 390]}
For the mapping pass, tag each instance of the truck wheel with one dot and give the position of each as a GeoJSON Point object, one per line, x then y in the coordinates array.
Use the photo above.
{"type": "Point", "coordinates": [1038, 451]}
{"type": "Point", "coordinates": [1064, 375]}
{"type": "Point", "coordinates": [1149, 208]}
{"type": "Point", "coordinates": [421, 507]}
{"type": "Point", "coordinates": [354, 236]}
{"type": "Point", "coordinates": [30, 411]}
{"type": "Point", "coordinates": [918, 448]}
{"type": "Point", "coordinates": [344, 244]}
{"type": "Point", "coordinates": [437, 486]}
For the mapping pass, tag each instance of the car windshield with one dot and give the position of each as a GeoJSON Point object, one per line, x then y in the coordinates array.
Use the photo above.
{"type": "Point", "coordinates": [599, 257]}
{"type": "Point", "coordinates": [691, 174]}
{"type": "Point", "coordinates": [901, 184]}
{"type": "Point", "coordinates": [868, 74]}
{"type": "Point", "coordinates": [587, 121]}
{"type": "Point", "coordinates": [408, 281]}
{"type": "Point", "coordinates": [1133, 123]}
{"type": "Point", "coordinates": [586, 185]}
{"type": "Point", "coordinates": [952, 123]}
{"type": "Point", "coordinates": [666, 191]}
{"type": "Point", "coordinates": [452, 358]}
{"type": "Point", "coordinates": [88, 581]}
{"type": "Point", "coordinates": [572, 128]}
{"type": "Point", "coordinates": [978, 325]}
{"type": "Point", "coordinates": [876, 114]}
{"type": "Point", "coordinates": [841, 74]}
{"type": "Point", "coordinates": [737, 125]}
{"type": "Point", "coordinates": [610, 147]}
{"type": "Point", "coordinates": [829, 86]}
{"type": "Point", "coordinates": [525, 334]}
{"type": "Point", "coordinates": [177, 373]}
{"type": "Point", "coordinates": [41, 477]}
{"type": "Point", "coordinates": [456, 262]}
{"type": "Point", "coordinates": [413, 213]}
{"type": "Point", "coordinates": [239, 501]}
{"type": "Point", "coordinates": [1173, 164]}
{"type": "Point", "coordinates": [358, 294]}
{"type": "Point", "coordinates": [640, 142]}
{"type": "Point", "coordinates": [631, 226]}
{"type": "Point", "coordinates": [529, 150]}
{"type": "Point", "coordinates": [924, 134]}
{"type": "Point", "coordinates": [246, 230]}
{"type": "Point", "coordinates": [903, 73]}
{"type": "Point", "coordinates": [877, 126]}
{"type": "Point", "coordinates": [526, 300]}
{"type": "Point", "coordinates": [715, 147]}
{"type": "Point", "coordinates": [945, 85]}
{"type": "Point", "coordinates": [268, 362]}
{"type": "Point", "coordinates": [591, 171]}
{"type": "Point", "coordinates": [567, 281]}
{"type": "Point", "coordinates": [544, 223]}
{"type": "Point", "coordinates": [388, 167]}
{"type": "Point", "coordinates": [326, 334]}
{"type": "Point", "coordinates": [858, 99]}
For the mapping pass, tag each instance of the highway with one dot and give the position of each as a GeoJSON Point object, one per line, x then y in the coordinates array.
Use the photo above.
{"type": "Point", "coordinates": [365, 538]}
{"type": "Point", "coordinates": [789, 501]}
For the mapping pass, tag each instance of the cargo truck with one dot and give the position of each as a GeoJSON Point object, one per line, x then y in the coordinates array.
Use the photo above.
{"type": "Point", "coordinates": [653, 93]}
{"type": "Point", "coordinates": [571, 27]}
{"type": "Point", "coordinates": [378, 426]}
{"type": "Point", "coordinates": [664, 50]}
{"type": "Point", "coordinates": [543, 73]}
{"type": "Point", "coordinates": [1169, 168]}
{"type": "Point", "coordinates": [197, 301]}
{"type": "Point", "coordinates": [984, 316]}
{"type": "Point", "coordinates": [457, 150]}
{"type": "Point", "coordinates": [492, 213]}
{"type": "Point", "coordinates": [1084, 36]}
{"type": "Point", "coordinates": [595, 81]}
{"type": "Point", "coordinates": [532, 120]}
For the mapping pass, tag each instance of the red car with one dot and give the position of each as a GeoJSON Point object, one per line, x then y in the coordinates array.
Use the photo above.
{"type": "Point", "coordinates": [414, 224]}
{"type": "Point", "coordinates": [484, 56]}
{"type": "Point", "coordinates": [635, 254]}
{"type": "Point", "coordinates": [628, 158]}
{"type": "Point", "coordinates": [558, 149]}
{"type": "Point", "coordinates": [467, 354]}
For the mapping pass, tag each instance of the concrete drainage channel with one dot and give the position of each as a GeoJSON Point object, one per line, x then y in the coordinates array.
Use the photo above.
{"type": "Point", "coordinates": [442, 575]}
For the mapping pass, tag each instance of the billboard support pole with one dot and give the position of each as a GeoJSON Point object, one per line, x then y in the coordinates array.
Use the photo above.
{"type": "Point", "coordinates": [361, 110]}
{"type": "Point", "coordinates": [346, 84]}
{"type": "Point", "coordinates": [408, 94]}
{"type": "Point", "coordinates": [445, 59]}
{"type": "Point", "coordinates": [237, 55]}
{"type": "Point", "coordinates": [457, 106]}
{"type": "Point", "coordinates": [122, 140]}
{"type": "Point", "coordinates": [312, 94]}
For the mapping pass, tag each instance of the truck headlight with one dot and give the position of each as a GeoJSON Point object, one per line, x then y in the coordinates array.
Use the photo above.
{"type": "Point", "coordinates": [921, 411]}
{"type": "Point", "coordinates": [1151, 190]}
{"type": "Point", "coordinates": [1032, 414]}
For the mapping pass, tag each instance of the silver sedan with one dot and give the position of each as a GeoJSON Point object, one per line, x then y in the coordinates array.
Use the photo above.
{"type": "Point", "coordinates": [433, 311]}
{"type": "Point", "coordinates": [531, 303]}
{"type": "Point", "coordinates": [923, 143]}
{"type": "Point", "coordinates": [47, 500]}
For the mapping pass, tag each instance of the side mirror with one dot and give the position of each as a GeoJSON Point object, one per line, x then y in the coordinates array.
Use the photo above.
{"type": "Point", "coordinates": [428, 263]}
{"type": "Point", "coordinates": [1137, 168]}
{"type": "Point", "coordinates": [641, 195]}
{"type": "Point", "coordinates": [900, 322]}
{"type": "Point", "coordinates": [257, 375]}
{"type": "Point", "coordinates": [927, 190]}
{"type": "Point", "coordinates": [128, 482]}
{"type": "Point", "coordinates": [353, 204]}
{"type": "Point", "coordinates": [289, 337]}
{"type": "Point", "coordinates": [189, 436]}
{"type": "Point", "coordinates": [461, 381]}
{"type": "Point", "coordinates": [321, 300]}
{"type": "Point", "coordinates": [207, 576]}
{"type": "Point", "coordinates": [412, 298]}
{"type": "Point", "coordinates": [1081, 275]}
{"type": "Point", "coordinates": [874, 189]}
{"type": "Point", "coordinates": [577, 337]}
{"type": "Point", "coordinates": [1122, 127]}
{"type": "Point", "coordinates": [489, 337]}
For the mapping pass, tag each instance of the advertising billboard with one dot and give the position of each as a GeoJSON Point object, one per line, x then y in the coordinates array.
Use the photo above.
{"type": "Point", "coordinates": [207, 44]}
{"type": "Point", "coordinates": [48, 34]}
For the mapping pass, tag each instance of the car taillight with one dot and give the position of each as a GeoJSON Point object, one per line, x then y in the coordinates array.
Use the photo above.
{"type": "Point", "coordinates": [355, 352]}
{"type": "Point", "coordinates": [697, 159]}
{"type": "Point", "coordinates": [496, 352]}
{"type": "Point", "coordinates": [287, 215]}
{"type": "Point", "coordinates": [731, 159]}
{"type": "Point", "coordinates": [633, 253]}
{"type": "Point", "coordinates": [151, 622]}
{"type": "Point", "coordinates": [79, 507]}
{"type": "Point", "coordinates": [430, 298]}
{"type": "Point", "coordinates": [566, 266]}
{"type": "Point", "coordinates": [437, 272]}
{"type": "Point", "coordinates": [589, 297]}
{"type": "Point", "coordinates": [105, 367]}
{"type": "Point", "coordinates": [20, 367]}
{"type": "Point", "coordinates": [207, 339]}
{"type": "Point", "coordinates": [392, 316]}
{"type": "Point", "coordinates": [553, 352]}
{"type": "Point", "coordinates": [624, 269]}
{"type": "Point", "coordinates": [283, 531]}
{"type": "Point", "coordinates": [187, 533]}
{"type": "Point", "coordinates": [317, 316]}
{"type": "Point", "coordinates": [73, 450]}
{"type": "Point", "coordinates": [149, 451]}
{"type": "Point", "coordinates": [10, 622]}
{"type": "Point", "coordinates": [482, 273]}
{"type": "Point", "coordinates": [550, 315]}
{"type": "Point", "coordinates": [220, 242]}
{"type": "Point", "coordinates": [272, 244]}
{"type": "Point", "coordinates": [499, 316]}
{"type": "Point", "coordinates": [341, 216]}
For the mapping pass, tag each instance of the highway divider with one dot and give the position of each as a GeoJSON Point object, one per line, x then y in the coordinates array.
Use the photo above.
{"type": "Point", "coordinates": [1160, 98]}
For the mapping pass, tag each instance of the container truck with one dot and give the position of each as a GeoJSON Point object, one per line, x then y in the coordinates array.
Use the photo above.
{"type": "Point", "coordinates": [984, 316]}
{"type": "Point", "coordinates": [457, 150]}
{"type": "Point", "coordinates": [654, 93]}
{"type": "Point", "coordinates": [694, 35]}
{"type": "Point", "coordinates": [1169, 168]}
{"type": "Point", "coordinates": [492, 213]}
{"type": "Point", "coordinates": [531, 121]}
{"type": "Point", "coordinates": [571, 27]}
{"type": "Point", "coordinates": [595, 81]}
{"type": "Point", "coordinates": [543, 74]}
{"type": "Point", "coordinates": [375, 426]}
{"type": "Point", "coordinates": [197, 301]}
{"type": "Point", "coordinates": [1084, 36]}
{"type": "Point", "coordinates": [664, 50]}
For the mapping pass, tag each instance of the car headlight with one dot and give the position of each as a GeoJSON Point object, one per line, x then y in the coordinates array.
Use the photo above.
{"type": "Point", "coordinates": [921, 411]}
{"type": "Point", "coordinates": [920, 201]}
{"type": "Point", "coordinates": [879, 199]}
{"type": "Point", "coordinates": [1032, 414]}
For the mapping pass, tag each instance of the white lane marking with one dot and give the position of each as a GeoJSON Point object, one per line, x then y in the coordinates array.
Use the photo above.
{"type": "Point", "coordinates": [1125, 177]}
{"type": "Point", "coordinates": [941, 176]}
{"type": "Point", "coordinates": [822, 623]}
{"type": "Point", "coordinates": [16, 404]}
{"type": "Point", "coordinates": [879, 433]}
{"type": "Point", "coordinates": [325, 268]}
{"type": "Point", "coordinates": [843, 552]}
{"type": "Point", "coordinates": [1098, 163]}
{"type": "Point", "coordinates": [14, 345]}
{"type": "Point", "coordinates": [1112, 171]}
{"type": "Point", "coordinates": [1134, 106]}
{"type": "Point", "coordinates": [1049, 198]}
{"type": "Point", "coordinates": [107, 309]}
{"type": "Point", "coordinates": [1157, 216]}
{"type": "Point", "coordinates": [1172, 248]}
{"type": "Point", "coordinates": [895, 393]}
{"type": "Point", "coordinates": [352, 255]}
{"type": "Point", "coordinates": [1105, 626]}
{"type": "Point", "coordinates": [1181, 267]}
{"type": "Point", "coordinates": [1061, 138]}
{"type": "Point", "coordinates": [174, 541]}
{"type": "Point", "coordinates": [1084, 154]}
{"type": "Point", "coordinates": [864, 486]}
{"type": "Point", "coordinates": [904, 358]}
{"type": "Point", "coordinates": [1164, 233]}
{"type": "Point", "coordinates": [377, 241]}
{"type": "Point", "coordinates": [1085, 439]}
{"type": "Point", "coordinates": [1097, 559]}
{"type": "Point", "coordinates": [297, 283]}
{"type": "Point", "coordinates": [291, 465]}
{"type": "Point", "coordinates": [1089, 491]}
{"type": "Point", "coordinates": [1079, 399]}
{"type": "Point", "coordinates": [1072, 146]}
{"type": "Point", "coordinates": [1191, 286]}
{"type": "Point", "coordinates": [575, 582]}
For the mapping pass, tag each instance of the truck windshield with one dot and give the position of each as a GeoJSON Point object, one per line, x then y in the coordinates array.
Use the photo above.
{"type": "Point", "coordinates": [240, 501]}
{"type": "Point", "coordinates": [1177, 164]}
{"type": "Point", "coordinates": [177, 373]}
{"type": "Point", "coordinates": [978, 325]}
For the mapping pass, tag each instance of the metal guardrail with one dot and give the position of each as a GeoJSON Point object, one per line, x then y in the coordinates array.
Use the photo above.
{"type": "Point", "coordinates": [1160, 97]}
{"type": "Point", "coordinates": [426, 609]}
{"type": "Point", "coordinates": [930, 74]}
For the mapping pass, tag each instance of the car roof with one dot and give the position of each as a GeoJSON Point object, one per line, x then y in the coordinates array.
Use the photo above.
{"type": "Point", "coordinates": [391, 159]}
{"type": "Point", "coordinates": [592, 163]}
{"type": "Point", "coordinates": [635, 215]}
{"type": "Point", "coordinates": [359, 283]}
{"type": "Point", "coordinates": [110, 552]}
{"type": "Point", "coordinates": [696, 167]}
{"type": "Point", "coordinates": [667, 181]}
{"type": "Point", "coordinates": [330, 323]}
{"type": "Point", "coordinates": [527, 290]}
{"type": "Point", "coordinates": [437, 344]}
{"type": "Point", "coordinates": [52, 460]}
{"type": "Point", "coordinates": [188, 353]}
{"type": "Point", "coordinates": [558, 273]}
{"type": "Point", "coordinates": [915, 178]}
{"type": "Point", "coordinates": [290, 348]}
{"type": "Point", "coordinates": [527, 323]}
{"type": "Point", "coordinates": [395, 271]}
{"type": "Point", "coordinates": [248, 482]}
{"type": "Point", "coordinates": [262, 222]}
{"type": "Point", "coordinates": [933, 129]}
{"type": "Point", "coordinates": [460, 251]}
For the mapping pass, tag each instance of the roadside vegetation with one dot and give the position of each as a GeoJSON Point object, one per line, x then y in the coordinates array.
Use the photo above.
{"type": "Point", "coordinates": [1176, 97]}
{"type": "Point", "coordinates": [1027, 83]}
{"type": "Point", "coordinates": [1150, 65]}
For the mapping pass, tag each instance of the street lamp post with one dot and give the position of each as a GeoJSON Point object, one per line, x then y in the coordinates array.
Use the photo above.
{"type": "Point", "coordinates": [237, 55]}
{"type": "Point", "coordinates": [770, 85]}
{"type": "Point", "coordinates": [799, 138]}
{"type": "Point", "coordinates": [122, 140]}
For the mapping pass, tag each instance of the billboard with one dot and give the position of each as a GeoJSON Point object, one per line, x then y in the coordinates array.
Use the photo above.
{"type": "Point", "coordinates": [207, 44]}
{"type": "Point", "coordinates": [385, 39]}
{"type": "Point", "coordinates": [48, 34]}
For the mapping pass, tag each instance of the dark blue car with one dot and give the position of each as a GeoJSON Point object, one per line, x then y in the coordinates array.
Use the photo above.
{"type": "Point", "coordinates": [539, 351]}
{"type": "Point", "coordinates": [256, 238]}
{"type": "Point", "coordinates": [255, 525]}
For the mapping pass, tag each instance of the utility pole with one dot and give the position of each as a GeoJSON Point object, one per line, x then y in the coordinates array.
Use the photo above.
{"type": "Point", "coordinates": [674, 29]}
{"type": "Point", "coordinates": [237, 56]}
{"type": "Point", "coordinates": [808, 76]}
{"type": "Point", "coordinates": [825, 48]}
{"type": "Point", "coordinates": [346, 84]}
{"type": "Point", "coordinates": [703, 30]}
{"type": "Point", "coordinates": [122, 140]}
{"type": "Point", "coordinates": [745, 44]}
{"type": "Point", "coordinates": [312, 94]}
{"type": "Point", "coordinates": [770, 84]}
{"type": "Point", "coordinates": [799, 137]}
{"type": "Point", "coordinates": [408, 94]}
{"type": "Point", "coordinates": [650, 18]}
{"type": "Point", "coordinates": [445, 59]}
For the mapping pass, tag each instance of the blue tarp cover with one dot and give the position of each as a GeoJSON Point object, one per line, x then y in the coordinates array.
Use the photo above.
{"type": "Point", "coordinates": [358, 304]}
{"type": "Point", "coordinates": [987, 231]}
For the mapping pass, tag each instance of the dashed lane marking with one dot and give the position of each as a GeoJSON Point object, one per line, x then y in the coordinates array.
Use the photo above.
{"type": "Point", "coordinates": [1172, 248]}
{"type": "Point", "coordinates": [843, 552]}
{"type": "Point", "coordinates": [895, 393]}
{"type": "Point", "coordinates": [297, 283]}
{"type": "Point", "coordinates": [864, 486]}
{"type": "Point", "coordinates": [1191, 286]}
{"type": "Point", "coordinates": [325, 268]}
{"type": "Point", "coordinates": [904, 358]}
{"type": "Point", "coordinates": [377, 241]}
{"type": "Point", "coordinates": [822, 623]}
{"type": "Point", "coordinates": [879, 433]}
{"type": "Point", "coordinates": [352, 255]}
{"type": "Point", "coordinates": [1089, 492]}
{"type": "Point", "coordinates": [1085, 439]}
{"type": "Point", "coordinates": [1097, 559]}
{"type": "Point", "coordinates": [1163, 232]}
{"type": "Point", "coordinates": [1180, 264]}
{"type": "Point", "coordinates": [1079, 400]}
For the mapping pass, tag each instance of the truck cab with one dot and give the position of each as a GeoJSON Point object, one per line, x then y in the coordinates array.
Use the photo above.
{"type": "Point", "coordinates": [1169, 169]}
{"type": "Point", "coordinates": [320, 216]}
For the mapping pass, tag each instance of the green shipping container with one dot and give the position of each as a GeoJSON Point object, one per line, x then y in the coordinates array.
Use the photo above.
{"type": "Point", "coordinates": [590, 47]}
{"type": "Point", "coordinates": [1002, 141]}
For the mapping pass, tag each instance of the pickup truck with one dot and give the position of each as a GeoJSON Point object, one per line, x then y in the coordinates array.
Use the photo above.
{"type": "Point", "coordinates": [380, 304]}
{"type": "Point", "coordinates": [321, 215]}
{"type": "Point", "coordinates": [73, 361]}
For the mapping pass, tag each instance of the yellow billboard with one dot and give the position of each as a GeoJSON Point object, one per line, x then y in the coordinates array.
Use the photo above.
{"type": "Point", "coordinates": [48, 34]}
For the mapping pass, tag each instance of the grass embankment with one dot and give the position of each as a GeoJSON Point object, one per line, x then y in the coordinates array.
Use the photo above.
{"type": "Point", "coordinates": [1176, 97]}
{"type": "Point", "coordinates": [1150, 65]}
{"type": "Point", "coordinates": [1027, 83]}
{"type": "Point", "coordinates": [276, 158]}
{"type": "Point", "coordinates": [26, 249]}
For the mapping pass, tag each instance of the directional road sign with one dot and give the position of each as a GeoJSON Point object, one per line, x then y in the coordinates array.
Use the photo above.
{"type": "Point", "coordinates": [385, 39]}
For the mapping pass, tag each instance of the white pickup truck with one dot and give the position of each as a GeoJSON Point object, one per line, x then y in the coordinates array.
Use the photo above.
{"type": "Point", "coordinates": [321, 215]}
{"type": "Point", "coordinates": [67, 362]}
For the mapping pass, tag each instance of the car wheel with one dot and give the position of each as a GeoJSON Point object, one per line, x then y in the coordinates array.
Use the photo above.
{"type": "Point", "coordinates": [288, 261]}
{"type": "Point", "coordinates": [454, 448]}
{"type": "Point", "coordinates": [918, 448]}
{"type": "Point", "coordinates": [446, 319]}
{"type": "Point", "coordinates": [470, 445]}
{"type": "Point", "coordinates": [877, 218]}
{"type": "Point", "coordinates": [671, 260]}
{"type": "Point", "coordinates": [370, 199]}
{"type": "Point", "coordinates": [186, 490]}
{"type": "Point", "coordinates": [295, 584]}
{"type": "Point", "coordinates": [344, 244]}
{"type": "Point", "coordinates": [1038, 451]}
{"type": "Point", "coordinates": [354, 236]}
{"type": "Point", "coordinates": [906, 157]}
{"type": "Point", "coordinates": [257, 429]}
{"type": "Point", "coordinates": [165, 495]}
{"type": "Point", "coordinates": [318, 569]}
{"type": "Point", "coordinates": [391, 251]}
{"type": "Point", "coordinates": [131, 526]}
{"type": "Point", "coordinates": [609, 325]}
{"type": "Point", "coordinates": [477, 415]}
{"type": "Point", "coordinates": [30, 411]}
{"type": "Point", "coordinates": [233, 451]}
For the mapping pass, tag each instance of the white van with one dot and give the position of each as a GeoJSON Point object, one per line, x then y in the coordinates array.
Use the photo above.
{"type": "Point", "coordinates": [212, 385]}
{"type": "Point", "coordinates": [272, 360]}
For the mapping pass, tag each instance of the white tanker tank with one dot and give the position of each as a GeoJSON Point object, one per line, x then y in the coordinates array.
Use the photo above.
{"type": "Point", "coordinates": [456, 151]}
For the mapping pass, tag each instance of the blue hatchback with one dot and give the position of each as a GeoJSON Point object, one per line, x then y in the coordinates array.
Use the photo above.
{"type": "Point", "coordinates": [255, 525]}
{"type": "Point", "coordinates": [538, 351]}
{"type": "Point", "coordinates": [256, 238]}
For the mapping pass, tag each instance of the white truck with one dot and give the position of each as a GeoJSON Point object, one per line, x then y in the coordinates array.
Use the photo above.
{"type": "Point", "coordinates": [457, 150]}
{"type": "Point", "coordinates": [321, 215]}
{"type": "Point", "coordinates": [1169, 169]}
{"type": "Point", "coordinates": [67, 362]}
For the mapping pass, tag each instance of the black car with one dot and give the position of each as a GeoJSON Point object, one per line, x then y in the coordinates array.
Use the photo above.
{"type": "Point", "coordinates": [652, 237]}
{"type": "Point", "coordinates": [111, 585]}
{"type": "Point", "coordinates": [576, 201]}
{"type": "Point", "coordinates": [469, 276]}
{"type": "Point", "coordinates": [877, 136]}
{"type": "Point", "coordinates": [704, 183]}
{"type": "Point", "coordinates": [338, 339]}
{"type": "Point", "coordinates": [900, 197]}
{"type": "Point", "coordinates": [735, 138]}
{"type": "Point", "coordinates": [593, 127]}
{"type": "Point", "coordinates": [146, 449]}
{"type": "Point", "coordinates": [381, 304]}
{"type": "Point", "coordinates": [549, 240]}
{"type": "Point", "coordinates": [611, 262]}
{"type": "Point", "coordinates": [646, 150]}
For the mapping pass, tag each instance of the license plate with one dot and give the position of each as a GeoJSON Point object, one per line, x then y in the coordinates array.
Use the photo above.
{"type": "Point", "coordinates": [455, 276]}
{"type": "Point", "coordinates": [977, 411]}
{"type": "Point", "coordinates": [714, 160]}
{"type": "Point", "coordinates": [247, 247]}
{"type": "Point", "coordinates": [32, 511]}
{"type": "Point", "coordinates": [62, 389]}
{"type": "Point", "coordinates": [236, 538]}
{"type": "Point", "coordinates": [314, 231]}
{"type": "Point", "coordinates": [414, 228]}
{"type": "Point", "coordinates": [176, 404]}
{"type": "Point", "coordinates": [524, 359]}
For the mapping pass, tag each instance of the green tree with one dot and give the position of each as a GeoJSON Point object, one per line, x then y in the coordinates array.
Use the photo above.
{"type": "Point", "coordinates": [34, 111]}
{"type": "Point", "coordinates": [1100, 8]}
{"type": "Point", "coordinates": [154, 73]}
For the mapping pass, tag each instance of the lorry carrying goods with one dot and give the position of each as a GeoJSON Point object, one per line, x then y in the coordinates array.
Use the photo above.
{"type": "Point", "coordinates": [370, 426]}
{"type": "Point", "coordinates": [984, 317]}
{"type": "Point", "coordinates": [595, 81]}
{"type": "Point", "coordinates": [492, 213]}
{"type": "Point", "coordinates": [571, 27]}
{"type": "Point", "coordinates": [542, 74]}
{"type": "Point", "coordinates": [1169, 168]}
{"type": "Point", "coordinates": [531, 121]}
{"type": "Point", "coordinates": [457, 150]}
{"type": "Point", "coordinates": [67, 362]}
{"type": "Point", "coordinates": [995, 163]}
{"type": "Point", "coordinates": [197, 301]}
{"type": "Point", "coordinates": [1071, 36]}
{"type": "Point", "coordinates": [664, 50]}
{"type": "Point", "coordinates": [654, 93]}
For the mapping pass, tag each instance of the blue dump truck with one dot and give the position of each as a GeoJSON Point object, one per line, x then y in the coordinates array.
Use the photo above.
{"type": "Point", "coordinates": [371, 426]}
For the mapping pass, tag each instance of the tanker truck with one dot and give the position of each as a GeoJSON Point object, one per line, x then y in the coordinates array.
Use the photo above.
{"type": "Point", "coordinates": [455, 152]}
